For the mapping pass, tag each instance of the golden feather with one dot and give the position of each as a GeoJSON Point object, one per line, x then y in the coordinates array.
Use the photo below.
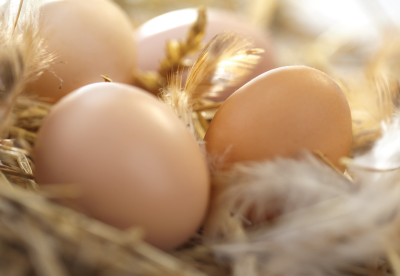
{"type": "Point", "coordinates": [223, 62]}
{"type": "Point", "coordinates": [373, 100]}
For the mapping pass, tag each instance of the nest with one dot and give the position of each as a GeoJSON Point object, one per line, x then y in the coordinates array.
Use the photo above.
{"type": "Point", "coordinates": [328, 223]}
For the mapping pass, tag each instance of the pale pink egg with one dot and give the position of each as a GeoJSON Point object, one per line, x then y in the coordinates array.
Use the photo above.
{"type": "Point", "coordinates": [134, 162]}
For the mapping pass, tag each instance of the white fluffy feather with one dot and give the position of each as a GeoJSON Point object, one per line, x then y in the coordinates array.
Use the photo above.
{"type": "Point", "coordinates": [385, 153]}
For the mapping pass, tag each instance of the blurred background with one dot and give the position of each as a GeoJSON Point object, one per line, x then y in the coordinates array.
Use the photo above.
{"type": "Point", "coordinates": [334, 36]}
{"type": "Point", "coordinates": [331, 35]}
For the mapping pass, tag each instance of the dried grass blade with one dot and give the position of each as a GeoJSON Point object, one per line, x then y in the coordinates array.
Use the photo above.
{"type": "Point", "coordinates": [18, 14]}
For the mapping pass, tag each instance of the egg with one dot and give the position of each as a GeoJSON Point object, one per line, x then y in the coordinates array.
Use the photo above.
{"type": "Point", "coordinates": [280, 113]}
{"type": "Point", "coordinates": [134, 162]}
{"type": "Point", "coordinates": [89, 38]}
{"type": "Point", "coordinates": [152, 36]}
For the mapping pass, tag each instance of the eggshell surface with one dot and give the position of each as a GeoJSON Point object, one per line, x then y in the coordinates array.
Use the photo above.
{"type": "Point", "coordinates": [151, 38]}
{"type": "Point", "coordinates": [134, 161]}
{"type": "Point", "coordinates": [89, 38]}
{"type": "Point", "coordinates": [280, 113]}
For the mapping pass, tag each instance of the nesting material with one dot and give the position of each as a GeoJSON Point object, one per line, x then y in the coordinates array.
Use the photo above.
{"type": "Point", "coordinates": [224, 60]}
{"type": "Point", "coordinates": [23, 56]}
{"type": "Point", "coordinates": [177, 57]}
{"type": "Point", "coordinates": [305, 218]}
{"type": "Point", "coordinates": [373, 100]}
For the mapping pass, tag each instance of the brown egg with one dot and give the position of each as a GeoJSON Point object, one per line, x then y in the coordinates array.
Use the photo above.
{"type": "Point", "coordinates": [152, 36]}
{"type": "Point", "coordinates": [90, 38]}
{"type": "Point", "coordinates": [134, 161]}
{"type": "Point", "coordinates": [279, 113]}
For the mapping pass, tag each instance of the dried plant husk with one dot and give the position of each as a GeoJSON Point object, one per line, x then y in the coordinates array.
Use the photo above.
{"type": "Point", "coordinates": [177, 50]}
{"type": "Point", "coordinates": [177, 53]}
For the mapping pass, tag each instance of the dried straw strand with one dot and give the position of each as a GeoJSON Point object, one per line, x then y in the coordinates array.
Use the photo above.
{"type": "Point", "coordinates": [18, 14]}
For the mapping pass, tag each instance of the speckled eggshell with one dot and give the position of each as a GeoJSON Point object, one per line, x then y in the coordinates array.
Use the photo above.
{"type": "Point", "coordinates": [90, 38]}
{"type": "Point", "coordinates": [280, 113]}
{"type": "Point", "coordinates": [134, 161]}
{"type": "Point", "coordinates": [152, 36]}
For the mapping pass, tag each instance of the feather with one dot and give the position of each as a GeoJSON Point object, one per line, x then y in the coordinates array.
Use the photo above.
{"type": "Point", "coordinates": [23, 55]}
{"type": "Point", "coordinates": [222, 63]}
{"type": "Point", "coordinates": [373, 99]}
{"type": "Point", "coordinates": [322, 223]}
{"type": "Point", "coordinates": [321, 239]}
{"type": "Point", "coordinates": [270, 189]}
{"type": "Point", "coordinates": [385, 155]}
